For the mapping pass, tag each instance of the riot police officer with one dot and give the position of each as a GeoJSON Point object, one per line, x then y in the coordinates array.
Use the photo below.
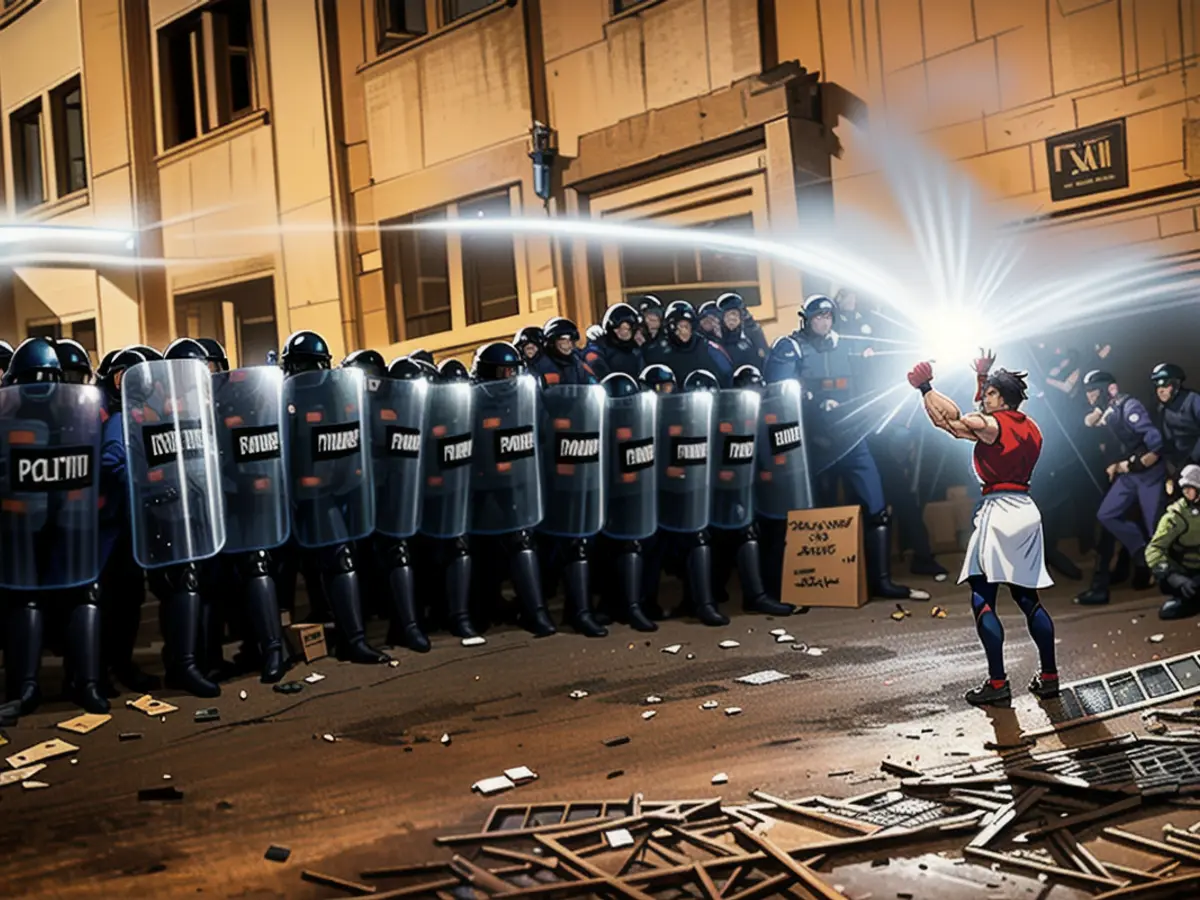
{"type": "Point", "coordinates": [530, 342]}
{"type": "Point", "coordinates": [741, 348]}
{"type": "Point", "coordinates": [76, 364]}
{"type": "Point", "coordinates": [6, 355]}
{"type": "Point", "coordinates": [331, 497]}
{"type": "Point", "coordinates": [650, 308]}
{"type": "Point", "coordinates": [1179, 411]}
{"type": "Point", "coordinates": [744, 322]}
{"type": "Point", "coordinates": [837, 447]}
{"type": "Point", "coordinates": [51, 435]}
{"type": "Point", "coordinates": [685, 350]}
{"type": "Point", "coordinates": [709, 318]}
{"type": "Point", "coordinates": [506, 495]}
{"type": "Point", "coordinates": [560, 362]}
{"type": "Point", "coordinates": [617, 350]}
{"type": "Point", "coordinates": [423, 356]}
{"type": "Point", "coordinates": [215, 354]}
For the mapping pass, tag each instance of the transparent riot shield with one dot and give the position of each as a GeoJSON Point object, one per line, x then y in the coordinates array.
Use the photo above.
{"type": "Point", "coordinates": [397, 410]}
{"type": "Point", "coordinates": [684, 483]}
{"type": "Point", "coordinates": [329, 473]}
{"type": "Point", "coordinates": [49, 486]}
{"type": "Point", "coordinates": [630, 475]}
{"type": "Point", "coordinates": [782, 481]}
{"type": "Point", "coordinates": [735, 429]}
{"type": "Point", "coordinates": [249, 412]}
{"type": "Point", "coordinates": [173, 465]}
{"type": "Point", "coordinates": [573, 439]}
{"type": "Point", "coordinates": [446, 490]}
{"type": "Point", "coordinates": [506, 481]}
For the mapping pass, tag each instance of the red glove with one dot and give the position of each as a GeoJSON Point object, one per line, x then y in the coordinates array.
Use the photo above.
{"type": "Point", "coordinates": [983, 364]}
{"type": "Point", "coordinates": [921, 374]}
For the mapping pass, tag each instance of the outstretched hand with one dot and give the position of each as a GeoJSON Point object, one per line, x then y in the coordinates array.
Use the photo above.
{"type": "Point", "coordinates": [983, 363]}
{"type": "Point", "coordinates": [922, 373]}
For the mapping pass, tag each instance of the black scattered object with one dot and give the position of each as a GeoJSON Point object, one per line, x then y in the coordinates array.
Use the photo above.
{"type": "Point", "coordinates": [211, 714]}
{"type": "Point", "coordinates": [289, 687]}
{"type": "Point", "coordinates": [617, 773]}
{"type": "Point", "coordinates": [129, 736]}
{"type": "Point", "coordinates": [224, 805]}
{"type": "Point", "coordinates": [160, 793]}
{"type": "Point", "coordinates": [616, 741]}
{"type": "Point", "coordinates": [278, 854]}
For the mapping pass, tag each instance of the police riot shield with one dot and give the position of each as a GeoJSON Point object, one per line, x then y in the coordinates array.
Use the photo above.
{"type": "Point", "coordinates": [630, 476]}
{"type": "Point", "coordinates": [249, 411]}
{"type": "Point", "coordinates": [506, 481]}
{"type": "Point", "coordinates": [572, 449]}
{"type": "Point", "coordinates": [329, 473]}
{"type": "Point", "coordinates": [49, 486]}
{"type": "Point", "coordinates": [782, 481]}
{"type": "Point", "coordinates": [735, 428]}
{"type": "Point", "coordinates": [446, 451]}
{"type": "Point", "coordinates": [397, 410]}
{"type": "Point", "coordinates": [173, 465]}
{"type": "Point", "coordinates": [684, 485]}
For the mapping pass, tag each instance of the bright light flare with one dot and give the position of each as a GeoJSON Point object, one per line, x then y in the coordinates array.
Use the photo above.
{"type": "Point", "coordinates": [954, 335]}
{"type": "Point", "coordinates": [61, 235]}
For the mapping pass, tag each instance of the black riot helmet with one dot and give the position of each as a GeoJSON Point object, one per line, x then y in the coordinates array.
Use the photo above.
{"type": "Point", "coordinates": [620, 384]}
{"type": "Point", "coordinates": [422, 355]}
{"type": "Point", "coordinates": [649, 304]}
{"type": "Point", "coordinates": [106, 363]}
{"type": "Point", "coordinates": [676, 315]}
{"type": "Point", "coordinates": [748, 377]}
{"type": "Point", "coordinates": [149, 354]}
{"type": "Point", "coordinates": [305, 351]}
{"type": "Point", "coordinates": [659, 378]}
{"type": "Point", "coordinates": [530, 342]}
{"type": "Point", "coordinates": [730, 300]}
{"type": "Point", "coordinates": [816, 305]}
{"type": "Point", "coordinates": [677, 304]}
{"type": "Point", "coordinates": [700, 380]}
{"type": "Point", "coordinates": [35, 361]}
{"type": "Point", "coordinates": [452, 370]}
{"type": "Point", "coordinates": [117, 364]}
{"type": "Point", "coordinates": [617, 315]}
{"type": "Point", "coordinates": [555, 330]}
{"type": "Point", "coordinates": [709, 309]}
{"type": "Point", "coordinates": [217, 360]}
{"type": "Point", "coordinates": [1098, 380]}
{"type": "Point", "coordinates": [76, 364]}
{"type": "Point", "coordinates": [186, 348]}
{"type": "Point", "coordinates": [6, 355]}
{"type": "Point", "coordinates": [497, 361]}
{"type": "Point", "coordinates": [369, 361]}
{"type": "Point", "coordinates": [1167, 373]}
{"type": "Point", "coordinates": [405, 368]}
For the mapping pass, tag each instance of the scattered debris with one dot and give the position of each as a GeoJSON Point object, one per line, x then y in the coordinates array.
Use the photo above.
{"type": "Point", "coordinates": [84, 724]}
{"type": "Point", "coordinates": [673, 648]}
{"type": "Point", "coordinates": [445, 740]}
{"type": "Point", "coordinates": [767, 676]}
{"type": "Point", "coordinates": [48, 750]}
{"type": "Point", "coordinates": [720, 778]}
{"type": "Point", "coordinates": [330, 738]}
{"type": "Point", "coordinates": [733, 710]}
{"type": "Point", "coordinates": [476, 641]}
{"type": "Point", "coordinates": [288, 687]}
{"type": "Point", "coordinates": [691, 656]}
{"type": "Point", "coordinates": [166, 777]}
{"type": "Point", "coordinates": [616, 773]}
{"type": "Point", "coordinates": [34, 785]}
{"type": "Point", "coordinates": [651, 700]}
{"type": "Point", "coordinates": [1157, 638]}
{"type": "Point", "coordinates": [649, 714]}
{"type": "Point", "coordinates": [314, 677]}
{"type": "Point", "coordinates": [937, 613]}
{"type": "Point", "coordinates": [242, 695]}
{"type": "Point", "coordinates": [393, 663]}
{"type": "Point", "coordinates": [616, 741]}
{"type": "Point", "coordinates": [777, 632]}
{"type": "Point", "coordinates": [785, 639]}
{"type": "Point", "coordinates": [351, 887]}
{"type": "Point", "coordinates": [277, 854]}
{"type": "Point", "coordinates": [728, 645]}
{"type": "Point", "coordinates": [709, 704]}
{"type": "Point", "coordinates": [578, 695]}
{"type": "Point", "coordinates": [520, 775]}
{"type": "Point", "coordinates": [19, 775]}
{"type": "Point", "coordinates": [816, 651]}
{"type": "Point", "coordinates": [167, 794]}
{"type": "Point", "coordinates": [494, 785]}
{"type": "Point", "coordinates": [151, 707]}
{"type": "Point", "coordinates": [618, 838]}
{"type": "Point", "coordinates": [210, 714]}
{"type": "Point", "coordinates": [840, 773]}
{"type": "Point", "coordinates": [129, 736]}
{"type": "Point", "coordinates": [74, 762]}
{"type": "Point", "coordinates": [903, 612]}
{"type": "Point", "coordinates": [899, 616]}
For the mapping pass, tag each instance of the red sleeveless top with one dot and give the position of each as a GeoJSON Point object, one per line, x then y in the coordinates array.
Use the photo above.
{"type": "Point", "coordinates": [1007, 465]}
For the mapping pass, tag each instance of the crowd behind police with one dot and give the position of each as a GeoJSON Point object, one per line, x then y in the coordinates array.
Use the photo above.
{"type": "Point", "coordinates": [448, 571]}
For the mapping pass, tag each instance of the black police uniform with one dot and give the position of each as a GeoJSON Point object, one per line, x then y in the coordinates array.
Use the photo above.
{"type": "Point", "coordinates": [1179, 417]}
{"type": "Point", "coordinates": [696, 354]}
{"type": "Point", "coordinates": [609, 354]}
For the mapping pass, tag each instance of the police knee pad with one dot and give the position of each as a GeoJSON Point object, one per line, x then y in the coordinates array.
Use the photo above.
{"type": "Point", "coordinates": [629, 547]}
{"type": "Point", "coordinates": [577, 550]}
{"type": "Point", "coordinates": [182, 578]}
{"type": "Point", "coordinates": [342, 560]}
{"type": "Point", "coordinates": [460, 547]}
{"type": "Point", "coordinates": [396, 554]}
{"type": "Point", "coordinates": [254, 565]}
{"type": "Point", "coordinates": [520, 541]}
{"type": "Point", "coordinates": [881, 519]}
{"type": "Point", "coordinates": [697, 539]}
{"type": "Point", "coordinates": [747, 534]}
{"type": "Point", "coordinates": [91, 594]}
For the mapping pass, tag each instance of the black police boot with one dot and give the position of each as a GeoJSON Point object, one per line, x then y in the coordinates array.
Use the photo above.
{"type": "Point", "coordinates": [699, 580]}
{"type": "Point", "coordinates": [83, 645]}
{"type": "Point", "coordinates": [458, 597]}
{"type": "Point", "coordinates": [579, 608]}
{"type": "Point", "coordinates": [342, 590]}
{"type": "Point", "coordinates": [262, 608]}
{"type": "Point", "coordinates": [1097, 594]}
{"type": "Point", "coordinates": [1120, 572]}
{"type": "Point", "coordinates": [180, 614]}
{"type": "Point", "coordinates": [404, 630]}
{"type": "Point", "coordinates": [523, 567]}
{"type": "Point", "coordinates": [877, 541]}
{"type": "Point", "coordinates": [754, 595]}
{"type": "Point", "coordinates": [126, 610]}
{"type": "Point", "coordinates": [1142, 577]}
{"type": "Point", "coordinates": [23, 657]}
{"type": "Point", "coordinates": [629, 581]}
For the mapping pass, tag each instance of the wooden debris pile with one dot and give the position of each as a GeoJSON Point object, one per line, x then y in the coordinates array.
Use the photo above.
{"type": "Point", "coordinates": [1022, 811]}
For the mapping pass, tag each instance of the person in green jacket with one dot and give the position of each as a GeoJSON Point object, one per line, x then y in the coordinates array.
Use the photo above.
{"type": "Point", "coordinates": [1173, 554]}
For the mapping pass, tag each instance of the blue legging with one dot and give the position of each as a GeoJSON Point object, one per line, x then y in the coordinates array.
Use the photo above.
{"type": "Point", "coordinates": [991, 631]}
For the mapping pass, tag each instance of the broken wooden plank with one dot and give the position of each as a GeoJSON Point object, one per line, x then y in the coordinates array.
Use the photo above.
{"type": "Point", "coordinates": [1168, 850]}
{"type": "Point", "coordinates": [429, 887]}
{"type": "Point", "coordinates": [1032, 865]}
{"type": "Point", "coordinates": [1072, 822]}
{"type": "Point", "coordinates": [618, 886]}
{"type": "Point", "coordinates": [341, 884]}
{"type": "Point", "coordinates": [1189, 838]}
{"type": "Point", "coordinates": [816, 815]}
{"type": "Point", "coordinates": [422, 868]}
{"type": "Point", "coordinates": [678, 859]}
{"type": "Point", "coordinates": [703, 841]}
{"type": "Point", "coordinates": [1165, 889]}
{"type": "Point", "coordinates": [900, 770]}
{"type": "Point", "coordinates": [517, 856]}
{"type": "Point", "coordinates": [768, 887]}
{"type": "Point", "coordinates": [1138, 875]}
{"type": "Point", "coordinates": [802, 873]}
{"type": "Point", "coordinates": [477, 876]}
{"type": "Point", "coordinates": [1007, 815]}
{"type": "Point", "coordinates": [707, 886]}
{"type": "Point", "coordinates": [1092, 863]}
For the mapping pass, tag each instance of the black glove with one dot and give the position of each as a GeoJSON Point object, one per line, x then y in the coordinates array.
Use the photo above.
{"type": "Point", "coordinates": [1182, 585]}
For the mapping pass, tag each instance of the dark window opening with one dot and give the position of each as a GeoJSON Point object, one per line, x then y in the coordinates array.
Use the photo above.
{"type": "Point", "coordinates": [29, 183]}
{"type": "Point", "coordinates": [247, 308]}
{"type": "Point", "coordinates": [597, 280]}
{"type": "Point", "coordinates": [619, 6]}
{"type": "Point", "coordinates": [489, 264]}
{"type": "Point", "coordinates": [456, 9]}
{"type": "Point", "coordinates": [49, 330]}
{"type": "Point", "coordinates": [416, 266]}
{"type": "Point", "coordinates": [70, 155]}
{"type": "Point", "coordinates": [400, 21]}
{"type": "Point", "coordinates": [84, 332]}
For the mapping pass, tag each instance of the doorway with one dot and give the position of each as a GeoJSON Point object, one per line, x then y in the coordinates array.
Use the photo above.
{"type": "Point", "coordinates": [241, 316]}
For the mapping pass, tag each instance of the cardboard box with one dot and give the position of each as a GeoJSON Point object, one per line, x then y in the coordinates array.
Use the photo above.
{"type": "Point", "coordinates": [823, 561]}
{"type": "Point", "coordinates": [309, 641]}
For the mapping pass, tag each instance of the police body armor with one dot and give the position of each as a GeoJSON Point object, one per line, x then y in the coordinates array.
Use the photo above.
{"type": "Point", "coordinates": [397, 413]}
{"type": "Point", "coordinates": [49, 486]}
{"type": "Point", "coordinates": [249, 413]}
{"type": "Point", "coordinates": [506, 482]}
{"type": "Point", "coordinates": [782, 480]}
{"type": "Point", "coordinates": [573, 439]}
{"type": "Point", "coordinates": [330, 491]}
{"type": "Point", "coordinates": [630, 473]}
{"type": "Point", "coordinates": [735, 427]}
{"type": "Point", "coordinates": [175, 502]}
{"type": "Point", "coordinates": [448, 443]}
{"type": "Point", "coordinates": [683, 451]}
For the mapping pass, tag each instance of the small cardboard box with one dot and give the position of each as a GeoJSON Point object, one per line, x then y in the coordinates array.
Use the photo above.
{"type": "Point", "coordinates": [309, 641]}
{"type": "Point", "coordinates": [823, 561]}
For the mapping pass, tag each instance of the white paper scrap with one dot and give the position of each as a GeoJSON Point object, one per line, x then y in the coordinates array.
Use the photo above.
{"type": "Point", "coordinates": [493, 785]}
{"type": "Point", "coordinates": [578, 695]}
{"type": "Point", "coordinates": [709, 704]}
{"type": "Point", "coordinates": [476, 641]}
{"type": "Point", "coordinates": [674, 648]}
{"type": "Point", "coordinates": [776, 632]}
{"type": "Point", "coordinates": [732, 710]}
{"type": "Point", "coordinates": [651, 700]}
{"type": "Point", "coordinates": [720, 778]}
{"type": "Point", "coordinates": [785, 639]}
{"type": "Point", "coordinates": [816, 651]}
{"type": "Point", "coordinates": [649, 714]}
{"type": "Point", "coordinates": [728, 645]}
{"type": "Point", "coordinates": [520, 774]}
{"type": "Point", "coordinates": [314, 677]}
{"type": "Point", "coordinates": [618, 838]}
{"type": "Point", "coordinates": [767, 676]}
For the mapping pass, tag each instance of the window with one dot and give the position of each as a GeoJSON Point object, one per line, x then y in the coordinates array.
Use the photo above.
{"type": "Point", "coordinates": [29, 182]}
{"type": "Point", "coordinates": [456, 9]}
{"type": "Point", "coordinates": [424, 278]}
{"type": "Point", "coordinates": [45, 329]}
{"type": "Point", "coordinates": [69, 157]}
{"type": "Point", "coordinates": [489, 265]}
{"type": "Point", "coordinates": [206, 70]}
{"type": "Point", "coordinates": [620, 6]}
{"type": "Point", "coordinates": [693, 274]}
{"type": "Point", "coordinates": [241, 316]}
{"type": "Point", "coordinates": [84, 331]}
{"type": "Point", "coordinates": [400, 21]}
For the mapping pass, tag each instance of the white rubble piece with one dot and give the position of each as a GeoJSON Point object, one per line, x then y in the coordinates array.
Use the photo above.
{"type": "Point", "coordinates": [493, 785]}
{"type": "Point", "coordinates": [766, 676]}
{"type": "Point", "coordinates": [733, 710]}
{"type": "Point", "coordinates": [445, 740]}
{"type": "Point", "coordinates": [649, 714]}
{"type": "Point", "coordinates": [477, 641]}
{"type": "Point", "coordinates": [816, 651]}
{"type": "Point", "coordinates": [578, 695]}
{"type": "Point", "coordinates": [520, 775]}
{"type": "Point", "coordinates": [728, 645]}
{"type": "Point", "coordinates": [34, 785]}
{"type": "Point", "coordinates": [243, 695]}
{"type": "Point", "coordinates": [720, 778]}
{"type": "Point", "coordinates": [785, 639]}
{"type": "Point", "coordinates": [673, 648]}
{"type": "Point", "coordinates": [618, 838]}
{"type": "Point", "coordinates": [314, 677]}
{"type": "Point", "coordinates": [394, 663]}
{"type": "Point", "coordinates": [776, 632]}
{"type": "Point", "coordinates": [1157, 638]}
{"type": "Point", "coordinates": [652, 699]}
{"type": "Point", "coordinates": [709, 704]}
{"type": "Point", "coordinates": [330, 738]}
{"type": "Point", "coordinates": [19, 775]}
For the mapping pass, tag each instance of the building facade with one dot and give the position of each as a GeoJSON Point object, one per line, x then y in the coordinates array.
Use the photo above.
{"type": "Point", "coordinates": [270, 154]}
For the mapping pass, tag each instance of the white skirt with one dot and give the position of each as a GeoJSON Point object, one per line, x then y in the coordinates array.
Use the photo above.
{"type": "Point", "coordinates": [1006, 545]}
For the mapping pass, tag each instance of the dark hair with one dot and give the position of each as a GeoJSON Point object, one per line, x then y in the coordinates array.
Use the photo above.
{"type": "Point", "coordinates": [1010, 386]}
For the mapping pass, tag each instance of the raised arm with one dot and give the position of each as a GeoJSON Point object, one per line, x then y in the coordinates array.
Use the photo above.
{"type": "Point", "coordinates": [945, 414]}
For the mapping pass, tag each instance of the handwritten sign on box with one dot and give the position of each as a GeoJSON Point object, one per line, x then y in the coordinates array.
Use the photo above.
{"type": "Point", "coordinates": [823, 562]}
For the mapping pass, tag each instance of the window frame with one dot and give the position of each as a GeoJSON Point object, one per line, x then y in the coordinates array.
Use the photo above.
{"type": "Point", "coordinates": [16, 123]}
{"type": "Point", "coordinates": [59, 136]}
{"type": "Point", "coordinates": [437, 21]}
{"type": "Point", "coordinates": [460, 332]}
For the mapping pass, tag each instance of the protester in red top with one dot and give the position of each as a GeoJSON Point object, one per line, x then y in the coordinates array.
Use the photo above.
{"type": "Point", "coordinates": [1006, 545]}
